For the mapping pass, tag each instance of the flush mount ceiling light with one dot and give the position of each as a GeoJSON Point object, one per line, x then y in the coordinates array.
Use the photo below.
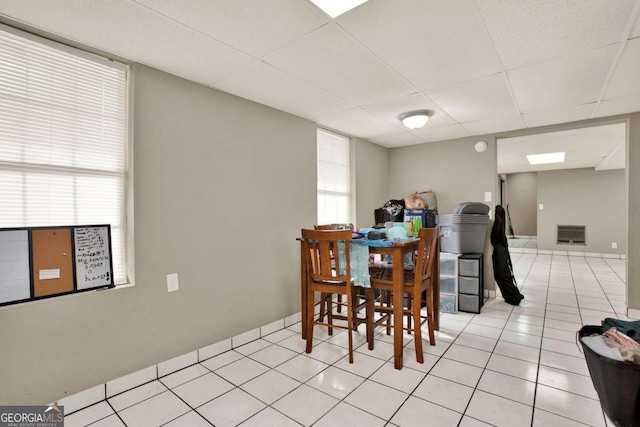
{"type": "Point", "coordinates": [415, 119]}
{"type": "Point", "coordinates": [335, 8]}
{"type": "Point", "coordinates": [546, 158]}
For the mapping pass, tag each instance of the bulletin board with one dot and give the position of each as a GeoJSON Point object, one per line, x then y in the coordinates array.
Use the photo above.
{"type": "Point", "coordinates": [52, 264]}
{"type": "Point", "coordinates": [43, 262]}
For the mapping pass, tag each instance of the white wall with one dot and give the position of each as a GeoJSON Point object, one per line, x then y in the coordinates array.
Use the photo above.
{"type": "Point", "coordinates": [595, 199]}
{"type": "Point", "coordinates": [372, 180]}
{"type": "Point", "coordinates": [522, 190]}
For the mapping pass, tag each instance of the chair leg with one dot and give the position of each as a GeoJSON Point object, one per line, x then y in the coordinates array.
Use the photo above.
{"type": "Point", "coordinates": [417, 336]}
{"type": "Point", "coordinates": [323, 306]}
{"type": "Point", "coordinates": [339, 303]}
{"type": "Point", "coordinates": [310, 321]}
{"type": "Point", "coordinates": [349, 326]}
{"type": "Point", "coordinates": [330, 313]}
{"type": "Point", "coordinates": [409, 307]}
{"type": "Point", "coordinates": [387, 302]}
{"type": "Point", "coordinates": [430, 325]}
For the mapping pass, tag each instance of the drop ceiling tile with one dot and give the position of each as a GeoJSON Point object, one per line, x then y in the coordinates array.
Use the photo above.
{"type": "Point", "coordinates": [476, 100]}
{"type": "Point", "coordinates": [390, 110]}
{"type": "Point", "coordinates": [330, 60]}
{"type": "Point", "coordinates": [402, 139]}
{"type": "Point", "coordinates": [562, 82]}
{"type": "Point", "coordinates": [441, 133]}
{"type": "Point", "coordinates": [615, 159]}
{"type": "Point", "coordinates": [262, 83]}
{"type": "Point", "coordinates": [431, 43]}
{"type": "Point", "coordinates": [625, 81]}
{"type": "Point", "coordinates": [484, 127]}
{"type": "Point", "coordinates": [357, 122]}
{"type": "Point", "coordinates": [617, 106]}
{"type": "Point", "coordinates": [255, 27]}
{"type": "Point", "coordinates": [132, 31]}
{"type": "Point", "coordinates": [564, 115]}
{"type": "Point", "coordinates": [531, 32]}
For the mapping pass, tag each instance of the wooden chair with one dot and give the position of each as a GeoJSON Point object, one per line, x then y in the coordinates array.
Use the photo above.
{"type": "Point", "coordinates": [329, 274]}
{"type": "Point", "coordinates": [416, 281]}
{"type": "Point", "coordinates": [325, 303]}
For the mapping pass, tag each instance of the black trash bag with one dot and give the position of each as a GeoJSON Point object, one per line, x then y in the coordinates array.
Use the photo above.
{"type": "Point", "coordinates": [502, 267]}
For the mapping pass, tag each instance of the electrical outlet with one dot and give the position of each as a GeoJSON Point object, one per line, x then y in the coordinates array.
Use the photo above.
{"type": "Point", "coordinates": [172, 282]}
{"type": "Point", "coordinates": [541, 206]}
{"type": "Point", "coordinates": [614, 245]}
{"type": "Point", "coordinates": [487, 196]}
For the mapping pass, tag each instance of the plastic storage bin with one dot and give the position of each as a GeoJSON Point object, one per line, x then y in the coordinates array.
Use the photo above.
{"type": "Point", "coordinates": [463, 233]}
{"type": "Point", "coordinates": [448, 285]}
{"type": "Point", "coordinates": [448, 303]}
{"type": "Point", "coordinates": [469, 285]}
{"type": "Point", "coordinates": [448, 266]}
{"type": "Point", "coordinates": [617, 384]}
{"type": "Point", "coordinates": [469, 267]}
{"type": "Point", "coordinates": [469, 303]}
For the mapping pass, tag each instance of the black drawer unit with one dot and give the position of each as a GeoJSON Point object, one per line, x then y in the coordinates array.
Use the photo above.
{"type": "Point", "coordinates": [470, 283]}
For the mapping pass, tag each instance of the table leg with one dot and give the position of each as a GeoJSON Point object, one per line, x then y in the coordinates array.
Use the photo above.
{"type": "Point", "coordinates": [436, 289]}
{"type": "Point", "coordinates": [398, 279]}
{"type": "Point", "coordinates": [303, 294]}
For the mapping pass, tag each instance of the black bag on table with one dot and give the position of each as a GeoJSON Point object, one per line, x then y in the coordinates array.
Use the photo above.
{"type": "Point", "coordinates": [617, 383]}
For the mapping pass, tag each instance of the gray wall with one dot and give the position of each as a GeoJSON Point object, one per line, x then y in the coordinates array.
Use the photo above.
{"type": "Point", "coordinates": [595, 199]}
{"type": "Point", "coordinates": [371, 180]}
{"type": "Point", "coordinates": [633, 209]}
{"type": "Point", "coordinates": [522, 196]}
{"type": "Point", "coordinates": [217, 179]}
{"type": "Point", "coordinates": [452, 169]}
{"type": "Point", "coordinates": [455, 172]}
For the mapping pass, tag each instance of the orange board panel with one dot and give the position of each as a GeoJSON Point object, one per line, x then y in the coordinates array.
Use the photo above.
{"type": "Point", "coordinates": [52, 261]}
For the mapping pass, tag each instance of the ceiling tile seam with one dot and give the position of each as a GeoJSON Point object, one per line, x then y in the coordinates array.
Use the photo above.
{"type": "Point", "coordinates": [389, 67]}
{"type": "Point", "coordinates": [616, 59]}
{"type": "Point", "coordinates": [609, 155]}
{"type": "Point", "coordinates": [182, 24]}
{"type": "Point", "coordinates": [353, 106]}
{"type": "Point", "coordinates": [504, 69]}
{"type": "Point", "coordinates": [298, 38]}
{"type": "Point", "coordinates": [213, 84]}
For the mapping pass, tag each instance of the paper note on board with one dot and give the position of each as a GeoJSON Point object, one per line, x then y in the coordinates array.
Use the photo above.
{"type": "Point", "coordinates": [52, 273]}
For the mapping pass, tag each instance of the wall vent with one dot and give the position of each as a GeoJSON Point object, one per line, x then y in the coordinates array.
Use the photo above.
{"type": "Point", "coordinates": [571, 234]}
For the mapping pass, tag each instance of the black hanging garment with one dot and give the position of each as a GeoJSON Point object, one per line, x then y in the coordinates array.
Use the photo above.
{"type": "Point", "coordinates": [502, 268]}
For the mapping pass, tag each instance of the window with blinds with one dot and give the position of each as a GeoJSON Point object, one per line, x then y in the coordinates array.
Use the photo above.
{"type": "Point", "coordinates": [334, 178]}
{"type": "Point", "coordinates": [62, 138]}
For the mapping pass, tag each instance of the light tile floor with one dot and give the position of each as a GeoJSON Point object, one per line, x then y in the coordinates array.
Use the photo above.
{"type": "Point", "coordinates": [523, 242]}
{"type": "Point", "coordinates": [509, 366]}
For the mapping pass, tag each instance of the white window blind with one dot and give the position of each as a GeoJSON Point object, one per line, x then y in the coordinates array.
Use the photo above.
{"type": "Point", "coordinates": [62, 138]}
{"type": "Point", "coordinates": [334, 178]}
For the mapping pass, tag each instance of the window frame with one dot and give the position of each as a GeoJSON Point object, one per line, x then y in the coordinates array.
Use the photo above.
{"type": "Point", "coordinates": [349, 178]}
{"type": "Point", "coordinates": [123, 176]}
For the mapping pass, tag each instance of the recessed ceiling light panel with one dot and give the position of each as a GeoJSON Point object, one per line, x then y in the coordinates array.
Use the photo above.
{"type": "Point", "coordinates": [335, 8]}
{"type": "Point", "coordinates": [546, 158]}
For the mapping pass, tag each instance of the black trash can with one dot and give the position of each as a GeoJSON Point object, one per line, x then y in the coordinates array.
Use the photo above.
{"type": "Point", "coordinates": [617, 383]}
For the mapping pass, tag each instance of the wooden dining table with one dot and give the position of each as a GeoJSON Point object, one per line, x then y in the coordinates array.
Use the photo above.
{"type": "Point", "coordinates": [396, 251]}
